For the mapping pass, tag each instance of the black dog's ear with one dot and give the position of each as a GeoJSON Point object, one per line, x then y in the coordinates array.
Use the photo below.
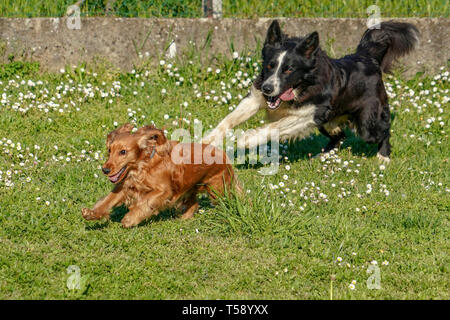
{"type": "Point", "coordinates": [274, 34]}
{"type": "Point", "coordinates": [309, 45]}
{"type": "Point", "coordinates": [126, 128]}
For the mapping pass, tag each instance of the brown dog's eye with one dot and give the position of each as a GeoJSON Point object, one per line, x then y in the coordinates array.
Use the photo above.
{"type": "Point", "coordinates": [122, 152]}
{"type": "Point", "coordinates": [155, 137]}
{"type": "Point", "coordinates": [109, 150]}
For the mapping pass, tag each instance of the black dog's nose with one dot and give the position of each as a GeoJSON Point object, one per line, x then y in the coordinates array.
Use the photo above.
{"type": "Point", "coordinates": [267, 88]}
{"type": "Point", "coordinates": [106, 170]}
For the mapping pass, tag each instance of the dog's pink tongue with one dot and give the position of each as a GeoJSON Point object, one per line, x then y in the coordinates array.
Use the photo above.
{"type": "Point", "coordinates": [288, 95]}
{"type": "Point", "coordinates": [114, 178]}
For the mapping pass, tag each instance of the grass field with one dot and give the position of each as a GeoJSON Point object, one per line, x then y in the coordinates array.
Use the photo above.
{"type": "Point", "coordinates": [231, 8]}
{"type": "Point", "coordinates": [309, 232]}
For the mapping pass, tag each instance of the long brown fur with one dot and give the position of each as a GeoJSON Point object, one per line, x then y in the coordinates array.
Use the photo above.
{"type": "Point", "coordinates": [150, 184]}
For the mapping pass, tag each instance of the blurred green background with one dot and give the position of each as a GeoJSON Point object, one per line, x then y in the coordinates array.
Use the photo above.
{"type": "Point", "coordinates": [231, 8]}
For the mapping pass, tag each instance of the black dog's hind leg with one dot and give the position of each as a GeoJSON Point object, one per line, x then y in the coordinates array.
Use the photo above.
{"type": "Point", "coordinates": [374, 127]}
{"type": "Point", "coordinates": [384, 150]}
{"type": "Point", "coordinates": [335, 140]}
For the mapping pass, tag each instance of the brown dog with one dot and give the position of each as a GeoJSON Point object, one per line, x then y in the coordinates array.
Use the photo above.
{"type": "Point", "coordinates": [151, 173]}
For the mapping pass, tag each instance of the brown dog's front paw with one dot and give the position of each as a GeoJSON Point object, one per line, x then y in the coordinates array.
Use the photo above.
{"type": "Point", "coordinates": [129, 221]}
{"type": "Point", "coordinates": [88, 214]}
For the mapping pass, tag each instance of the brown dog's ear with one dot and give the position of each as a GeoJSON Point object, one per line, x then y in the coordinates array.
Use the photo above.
{"type": "Point", "coordinates": [125, 128]}
{"type": "Point", "coordinates": [145, 129]}
{"type": "Point", "coordinates": [151, 137]}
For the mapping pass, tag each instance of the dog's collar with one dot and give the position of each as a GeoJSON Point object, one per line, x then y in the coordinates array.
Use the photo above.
{"type": "Point", "coordinates": [153, 153]}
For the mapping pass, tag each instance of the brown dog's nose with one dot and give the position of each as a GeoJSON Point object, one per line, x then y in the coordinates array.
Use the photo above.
{"type": "Point", "coordinates": [106, 170]}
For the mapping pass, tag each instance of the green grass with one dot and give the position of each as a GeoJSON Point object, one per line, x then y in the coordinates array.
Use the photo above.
{"type": "Point", "coordinates": [231, 8]}
{"type": "Point", "coordinates": [282, 242]}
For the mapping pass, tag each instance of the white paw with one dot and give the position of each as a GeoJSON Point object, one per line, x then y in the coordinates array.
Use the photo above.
{"type": "Point", "coordinates": [383, 158]}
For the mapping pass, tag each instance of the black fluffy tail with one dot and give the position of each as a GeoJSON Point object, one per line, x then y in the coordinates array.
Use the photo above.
{"type": "Point", "coordinates": [391, 41]}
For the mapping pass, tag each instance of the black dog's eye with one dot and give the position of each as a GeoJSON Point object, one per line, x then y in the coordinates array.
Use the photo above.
{"type": "Point", "coordinates": [269, 67]}
{"type": "Point", "coordinates": [122, 152]}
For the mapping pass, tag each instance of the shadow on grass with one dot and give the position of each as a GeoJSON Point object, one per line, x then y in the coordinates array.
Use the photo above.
{"type": "Point", "coordinates": [118, 213]}
{"type": "Point", "coordinates": [309, 147]}
{"type": "Point", "coordinates": [97, 226]}
{"type": "Point", "coordinates": [170, 214]}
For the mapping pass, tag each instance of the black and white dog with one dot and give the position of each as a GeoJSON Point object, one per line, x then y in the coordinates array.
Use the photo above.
{"type": "Point", "coordinates": [303, 89]}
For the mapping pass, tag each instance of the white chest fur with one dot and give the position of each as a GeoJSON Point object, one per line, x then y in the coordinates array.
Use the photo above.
{"type": "Point", "coordinates": [286, 110]}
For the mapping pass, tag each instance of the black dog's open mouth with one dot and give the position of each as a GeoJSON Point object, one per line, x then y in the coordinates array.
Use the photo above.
{"type": "Point", "coordinates": [274, 102]}
{"type": "Point", "coordinates": [117, 176]}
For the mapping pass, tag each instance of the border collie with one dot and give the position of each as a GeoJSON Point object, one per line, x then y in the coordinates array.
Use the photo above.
{"type": "Point", "coordinates": [302, 88]}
